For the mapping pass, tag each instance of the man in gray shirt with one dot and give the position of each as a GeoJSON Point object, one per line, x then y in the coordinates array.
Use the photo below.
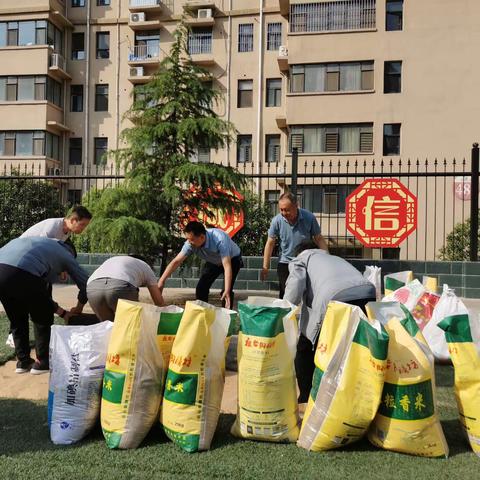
{"type": "Point", "coordinates": [315, 279]}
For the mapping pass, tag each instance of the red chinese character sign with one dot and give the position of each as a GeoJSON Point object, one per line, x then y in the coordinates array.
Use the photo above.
{"type": "Point", "coordinates": [381, 213]}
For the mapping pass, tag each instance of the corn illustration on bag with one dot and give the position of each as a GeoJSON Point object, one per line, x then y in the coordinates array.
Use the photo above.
{"type": "Point", "coordinates": [394, 281]}
{"type": "Point", "coordinates": [267, 396]}
{"type": "Point", "coordinates": [350, 363]}
{"type": "Point", "coordinates": [134, 372]}
{"type": "Point", "coordinates": [196, 376]}
{"type": "Point", "coordinates": [466, 362]}
{"type": "Point", "coordinates": [407, 419]}
{"type": "Point", "coordinates": [170, 317]}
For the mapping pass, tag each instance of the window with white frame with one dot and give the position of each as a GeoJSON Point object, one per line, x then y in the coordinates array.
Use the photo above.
{"type": "Point", "coordinates": [27, 143]}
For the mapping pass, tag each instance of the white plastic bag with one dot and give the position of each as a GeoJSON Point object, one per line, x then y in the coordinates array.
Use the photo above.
{"type": "Point", "coordinates": [374, 275]}
{"type": "Point", "coordinates": [77, 363]}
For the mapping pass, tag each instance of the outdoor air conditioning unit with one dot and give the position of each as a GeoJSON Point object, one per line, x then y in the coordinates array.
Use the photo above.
{"type": "Point", "coordinates": [283, 51]}
{"type": "Point", "coordinates": [137, 17]}
{"type": "Point", "coordinates": [204, 13]}
{"type": "Point", "coordinates": [136, 71]}
{"type": "Point", "coordinates": [54, 171]}
{"type": "Point", "coordinates": [55, 60]}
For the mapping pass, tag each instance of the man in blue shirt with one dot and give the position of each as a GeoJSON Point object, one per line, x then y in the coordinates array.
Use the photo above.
{"type": "Point", "coordinates": [221, 254]}
{"type": "Point", "coordinates": [291, 227]}
{"type": "Point", "coordinates": [27, 267]}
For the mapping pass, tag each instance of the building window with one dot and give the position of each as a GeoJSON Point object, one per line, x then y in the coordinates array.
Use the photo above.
{"type": "Point", "coordinates": [332, 77]}
{"type": "Point", "coordinates": [78, 46]}
{"type": "Point", "coordinates": [147, 45]}
{"type": "Point", "coordinates": [274, 92]}
{"type": "Point", "coordinates": [31, 88]}
{"type": "Point", "coordinates": [340, 138]}
{"type": "Point", "coordinates": [334, 15]}
{"type": "Point", "coordinates": [74, 197]}
{"type": "Point", "coordinates": [78, 3]}
{"type": "Point", "coordinates": [245, 37]}
{"type": "Point", "coordinates": [391, 139]}
{"type": "Point", "coordinates": [103, 45]}
{"type": "Point", "coordinates": [326, 199]}
{"type": "Point", "coordinates": [28, 143]}
{"type": "Point", "coordinates": [103, 3]}
{"type": "Point", "coordinates": [245, 93]}
{"type": "Point", "coordinates": [274, 36]}
{"type": "Point", "coordinates": [76, 98]}
{"type": "Point", "coordinates": [394, 15]}
{"type": "Point", "coordinates": [272, 148]}
{"type": "Point", "coordinates": [30, 32]}
{"type": "Point", "coordinates": [101, 147]}
{"type": "Point", "coordinates": [271, 199]}
{"type": "Point", "coordinates": [244, 148]}
{"type": "Point", "coordinates": [101, 98]}
{"type": "Point", "coordinates": [75, 151]}
{"type": "Point", "coordinates": [202, 155]}
{"type": "Point", "coordinates": [392, 77]}
{"type": "Point", "coordinates": [200, 41]}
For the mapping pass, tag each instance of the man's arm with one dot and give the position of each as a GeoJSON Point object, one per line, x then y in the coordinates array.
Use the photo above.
{"type": "Point", "coordinates": [296, 282]}
{"type": "Point", "coordinates": [171, 267]}
{"type": "Point", "coordinates": [156, 295]}
{"type": "Point", "coordinates": [227, 273]}
{"type": "Point", "coordinates": [80, 277]}
{"type": "Point", "coordinates": [267, 255]}
{"type": "Point", "coordinates": [320, 241]}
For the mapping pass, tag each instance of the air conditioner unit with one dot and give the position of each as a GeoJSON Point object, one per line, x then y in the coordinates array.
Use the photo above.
{"type": "Point", "coordinates": [204, 13]}
{"type": "Point", "coordinates": [137, 17]}
{"type": "Point", "coordinates": [55, 60]}
{"type": "Point", "coordinates": [57, 172]}
{"type": "Point", "coordinates": [54, 171]}
{"type": "Point", "coordinates": [283, 51]}
{"type": "Point", "coordinates": [136, 71]}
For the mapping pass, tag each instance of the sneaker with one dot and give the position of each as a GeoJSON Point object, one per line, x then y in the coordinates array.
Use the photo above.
{"type": "Point", "coordinates": [39, 368]}
{"type": "Point", "coordinates": [24, 366]}
{"type": "Point", "coordinates": [10, 343]}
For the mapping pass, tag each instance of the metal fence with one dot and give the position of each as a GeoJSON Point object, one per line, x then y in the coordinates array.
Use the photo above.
{"type": "Point", "coordinates": [446, 191]}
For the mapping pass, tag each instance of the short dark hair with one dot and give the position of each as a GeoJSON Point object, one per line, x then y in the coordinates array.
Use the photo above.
{"type": "Point", "coordinates": [288, 196]}
{"type": "Point", "coordinates": [305, 245]}
{"type": "Point", "coordinates": [70, 247]}
{"type": "Point", "coordinates": [196, 228]}
{"type": "Point", "coordinates": [80, 212]}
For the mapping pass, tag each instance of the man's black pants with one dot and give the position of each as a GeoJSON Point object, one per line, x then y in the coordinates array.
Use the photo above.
{"type": "Point", "coordinates": [210, 272]}
{"type": "Point", "coordinates": [304, 359]}
{"type": "Point", "coordinates": [22, 295]}
{"type": "Point", "coordinates": [282, 273]}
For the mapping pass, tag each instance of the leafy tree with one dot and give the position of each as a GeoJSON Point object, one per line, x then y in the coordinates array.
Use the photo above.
{"type": "Point", "coordinates": [457, 246]}
{"type": "Point", "coordinates": [25, 201]}
{"type": "Point", "coordinates": [171, 117]}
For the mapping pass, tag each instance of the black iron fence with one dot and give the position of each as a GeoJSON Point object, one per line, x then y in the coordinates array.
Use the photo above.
{"type": "Point", "coordinates": [446, 191]}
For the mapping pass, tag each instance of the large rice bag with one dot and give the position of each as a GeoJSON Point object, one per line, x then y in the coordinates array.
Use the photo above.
{"type": "Point", "coordinates": [350, 364]}
{"type": "Point", "coordinates": [374, 275]}
{"type": "Point", "coordinates": [170, 317]}
{"type": "Point", "coordinates": [407, 419]}
{"type": "Point", "coordinates": [134, 373]}
{"type": "Point", "coordinates": [267, 393]}
{"type": "Point", "coordinates": [448, 306]}
{"type": "Point", "coordinates": [466, 362]}
{"type": "Point", "coordinates": [394, 281]}
{"type": "Point", "coordinates": [77, 363]}
{"type": "Point", "coordinates": [196, 376]}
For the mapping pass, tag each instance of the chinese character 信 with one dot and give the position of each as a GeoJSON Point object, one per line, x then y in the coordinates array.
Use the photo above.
{"type": "Point", "coordinates": [381, 214]}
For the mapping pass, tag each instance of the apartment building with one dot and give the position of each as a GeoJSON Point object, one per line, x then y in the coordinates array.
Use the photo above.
{"type": "Point", "coordinates": [338, 79]}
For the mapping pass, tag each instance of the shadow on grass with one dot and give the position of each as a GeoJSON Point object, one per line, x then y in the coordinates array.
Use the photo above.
{"type": "Point", "coordinates": [444, 375]}
{"type": "Point", "coordinates": [456, 438]}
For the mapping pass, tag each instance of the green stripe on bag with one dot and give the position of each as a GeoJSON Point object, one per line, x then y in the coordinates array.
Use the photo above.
{"type": "Point", "coordinates": [317, 378]}
{"type": "Point", "coordinates": [169, 322]}
{"type": "Point", "coordinates": [368, 336]}
{"type": "Point", "coordinates": [393, 283]}
{"type": "Point", "coordinates": [113, 383]}
{"type": "Point", "coordinates": [181, 387]}
{"type": "Point", "coordinates": [407, 402]}
{"type": "Point", "coordinates": [261, 321]}
{"type": "Point", "coordinates": [408, 322]}
{"type": "Point", "coordinates": [457, 328]}
{"type": "Point", "coordinates": [187, 441]}
{"type": "Point", "coordinates": [112, 438]}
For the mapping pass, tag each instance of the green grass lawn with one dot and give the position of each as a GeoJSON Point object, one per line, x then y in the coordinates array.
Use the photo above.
{"type": "Point", "coordinates": [27, 453]}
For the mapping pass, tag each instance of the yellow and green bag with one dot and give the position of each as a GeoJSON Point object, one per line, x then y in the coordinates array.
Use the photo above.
{"type": "Point", "coordinates": [196, 376]}
{"type": "Point", "coordinates": [133, 379]}
{"type": "Point", "coordinates": [407, 419]}
{"type": "Point", "coordinates": [267, 396]}
{"type": "Point", "coordinates": [350, 363]}
{"type": "Point", "coordinates": [170, 317]}
{"type": "Point", "coordinates": [466, 362]}
{"type": "Point", "coordinates": [394, 281]}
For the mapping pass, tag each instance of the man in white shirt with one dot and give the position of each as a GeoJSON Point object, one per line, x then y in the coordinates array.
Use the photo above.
{"type": "Point", "coordinates": [120, 278]}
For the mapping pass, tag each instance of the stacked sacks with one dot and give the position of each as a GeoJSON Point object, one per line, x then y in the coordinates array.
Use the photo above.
{"type": "Point", "coordinates": [350, 363]}
{"type": "Point", "coordinates": [170, 318]}
{"type": "Point", "coordinates": [77, 363]}
{"type": "Point", "coordinates": [196, 376]}
{"type": "Point", "coordinates": [134, 373]}
{"type": "Point", "coordinates": [267, 396]}
{"type": "Point", "coordinates": [407, 419]}
{"type": "Point", "coordinates": [394, 281]}
{"type": "Point", "coordinates": [466, 362]}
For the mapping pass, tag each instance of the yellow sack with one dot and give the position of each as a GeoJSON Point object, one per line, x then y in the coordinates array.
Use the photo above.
{"type": "Point", "coordinates": [170, 318]}
{"type": "Point", "coordinates": [133, 379]}
{"type": "Point", "coordinates": [350, 363]}
{"type": "Point", "coordinates": [466, 362]}
{"type": "Point", "coordinates": [407, 419]}
{"type": "Point", "coordinates": [267, 393]}
{"type": "Point", "coordinates": [196, 376]}
{"type": "Point", "coordinates": [394, 281]}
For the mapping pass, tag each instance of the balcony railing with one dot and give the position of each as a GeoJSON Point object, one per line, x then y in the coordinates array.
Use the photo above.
{"type": "Point", "coordinates": [145, 3]}
{"type": "Point", "coordinates": [331, 16]}
{"type": "Point", "coordinates": [144, 52]}
{"type": "Point", "coordinates": [199, 43]}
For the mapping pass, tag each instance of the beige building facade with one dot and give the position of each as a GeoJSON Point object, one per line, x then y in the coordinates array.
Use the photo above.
{"type": "Point", "coordinates": [349, 80]}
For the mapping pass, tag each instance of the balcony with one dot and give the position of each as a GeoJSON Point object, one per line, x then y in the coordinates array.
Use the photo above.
{"type": "Point", "coordinates": [144, 54]}
{"type": "Point", "coordinates": [200, 48]}
{"type": "Point", "coordinates": [200, 21]}
{"type": "Point", "coordinates": [282, 58]}
{"type": "Point", "coordinates": [138, 76]}
{"type": "Point", "coordinates": [136, 22]}
{"type": "Point", "coordinates": [145, 5]}
{"type": "Point", "coordinates": [58, 67]}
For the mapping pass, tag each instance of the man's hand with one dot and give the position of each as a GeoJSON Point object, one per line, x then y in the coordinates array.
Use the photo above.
{"type": "Point", "coordinates": [63, 276]}
{"type": "Point", "coordinates": [226, 299]}
{"type": "Point", "coordinates": [160, 286]}
{"type": "Point", "coordinates": [76, 310]}
{"type": "Point", "coordinates": [263, 274]}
